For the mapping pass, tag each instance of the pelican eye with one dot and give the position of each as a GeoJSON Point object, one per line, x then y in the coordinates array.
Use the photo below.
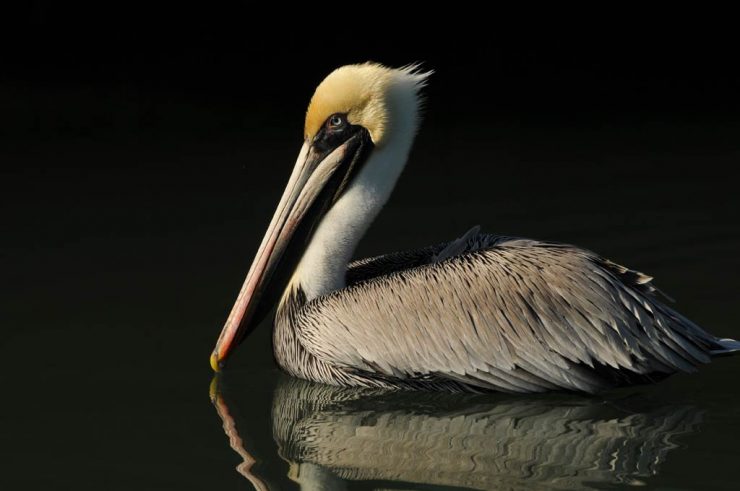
{"type": "Point", "coordinates": [336, 130]}
{"type": "Point", "coordinates": [336, 121]}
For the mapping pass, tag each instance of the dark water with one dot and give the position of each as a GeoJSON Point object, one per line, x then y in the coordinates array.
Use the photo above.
{"type": "Point", "coordinates": [123, 254]}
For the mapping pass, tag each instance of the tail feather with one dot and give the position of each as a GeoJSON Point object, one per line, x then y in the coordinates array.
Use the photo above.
{"type": "Point", "coordinates": [727, 347]}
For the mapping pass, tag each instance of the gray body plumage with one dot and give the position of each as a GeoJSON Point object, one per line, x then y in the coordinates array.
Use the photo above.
{"type": "Point", "coordinates": [487, 312]}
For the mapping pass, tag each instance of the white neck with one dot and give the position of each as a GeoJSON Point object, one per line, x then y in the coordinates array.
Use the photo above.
{"type": "Point", "coordinates": [323, 265]}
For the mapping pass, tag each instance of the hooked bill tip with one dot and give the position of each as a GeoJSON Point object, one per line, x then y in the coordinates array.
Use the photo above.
{"type": "Point", "coordinates": [215, 363]}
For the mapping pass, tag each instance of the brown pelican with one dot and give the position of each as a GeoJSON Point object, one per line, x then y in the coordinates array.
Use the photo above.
{"type": "Point", "coordinates": [481, 312]}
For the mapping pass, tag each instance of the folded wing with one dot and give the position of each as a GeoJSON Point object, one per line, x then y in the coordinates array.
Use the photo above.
{"type": "Point", "coordinates": [515, 316]}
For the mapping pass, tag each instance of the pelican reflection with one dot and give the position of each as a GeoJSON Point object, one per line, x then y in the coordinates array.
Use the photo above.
{"type": "Point", "coordinates": [331, 437]}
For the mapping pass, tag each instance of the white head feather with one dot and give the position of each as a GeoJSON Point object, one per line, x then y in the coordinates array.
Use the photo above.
{"type": "Point", "coordinates": [386, 102]}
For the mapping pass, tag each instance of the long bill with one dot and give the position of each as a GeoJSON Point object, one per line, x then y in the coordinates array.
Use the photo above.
{"type": "Point", "coordinates": [318, 177]}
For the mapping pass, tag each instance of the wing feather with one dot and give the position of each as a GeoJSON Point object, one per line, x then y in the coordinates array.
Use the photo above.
{"type": "Point", "coordinates": [515, 316]}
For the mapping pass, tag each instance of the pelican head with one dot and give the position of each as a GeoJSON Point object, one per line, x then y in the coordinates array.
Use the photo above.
{"type": "Point", "coordinates": [359, 128]}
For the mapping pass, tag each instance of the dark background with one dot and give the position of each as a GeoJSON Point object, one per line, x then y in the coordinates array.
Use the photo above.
{"type": "Point", "coordinates": [143, 151]}
{"type": "Point", "coordinates": [121, 68]}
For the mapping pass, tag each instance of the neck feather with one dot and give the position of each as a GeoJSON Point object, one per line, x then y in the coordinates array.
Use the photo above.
{"type": "Point", "coordinates": [323, 266]}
